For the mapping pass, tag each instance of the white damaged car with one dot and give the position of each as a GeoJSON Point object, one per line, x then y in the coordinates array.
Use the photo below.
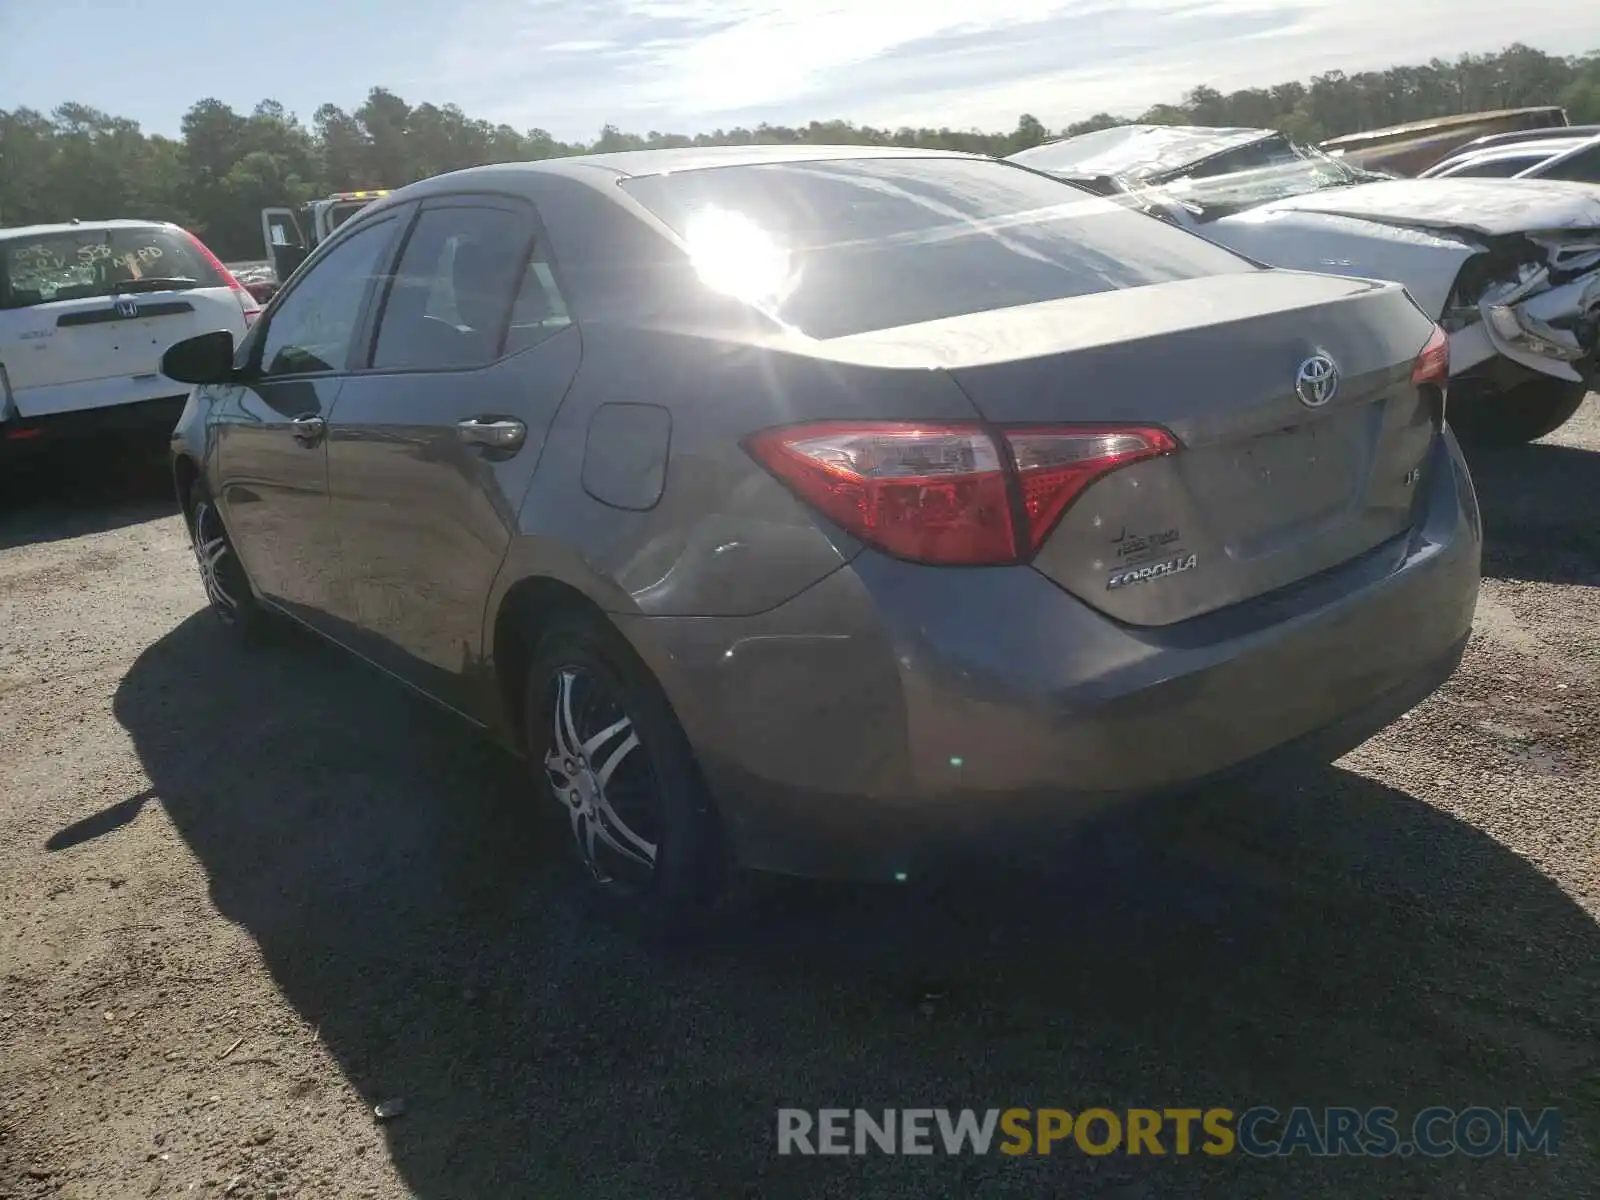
{"type": "Point", "coordinates": [1509, 267]}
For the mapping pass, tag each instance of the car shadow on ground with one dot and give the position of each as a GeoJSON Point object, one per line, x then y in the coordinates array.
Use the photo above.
{"type": "Point", "coordinates": [1541, 512]}
{"type": "Point", "coordinates": [1315, 939]}
{"type": "Point", "coordinates": [69, 491]}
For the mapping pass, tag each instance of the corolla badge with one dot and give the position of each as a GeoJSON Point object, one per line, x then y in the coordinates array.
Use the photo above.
{"type": "Point", "coordinates": [1160, 570]}
{"type": "Point", "coordinates": [1316, 381]}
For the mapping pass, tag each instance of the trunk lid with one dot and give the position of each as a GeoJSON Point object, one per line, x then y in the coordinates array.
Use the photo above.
{"type": "Point", "coordinates": [1266, 489]}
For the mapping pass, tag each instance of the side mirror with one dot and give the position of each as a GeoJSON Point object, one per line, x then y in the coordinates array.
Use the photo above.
{"type": "Point", "coordinates": [207, 358]}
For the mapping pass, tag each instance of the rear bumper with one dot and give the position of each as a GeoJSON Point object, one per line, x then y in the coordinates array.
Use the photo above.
{"type": "Point", "coordinates": [892, 713]}
{"type": "Point", "coordinates": [22, 435]}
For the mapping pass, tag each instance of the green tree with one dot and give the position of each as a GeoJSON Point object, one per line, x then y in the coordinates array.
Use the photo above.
{"type": "Point", "coordinates": [344, 149]}
{"type": "Point", "coordinates": [1030, 132]}
{"type": "Point", "coordinates": [386, 119]}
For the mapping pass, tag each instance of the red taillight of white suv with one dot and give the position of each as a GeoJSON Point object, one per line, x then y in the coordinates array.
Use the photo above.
{"type": "Point", "coordinates": [949, 493]}
{"type": "Point", "coordinates": [247, 302]}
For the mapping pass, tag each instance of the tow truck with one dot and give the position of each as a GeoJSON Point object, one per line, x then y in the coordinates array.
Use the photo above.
{"type": "Point", "coordinates": [290, 234]}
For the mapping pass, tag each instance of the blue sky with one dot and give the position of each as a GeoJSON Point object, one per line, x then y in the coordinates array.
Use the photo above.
{"type": "Point", "coordinates": [570, 66]}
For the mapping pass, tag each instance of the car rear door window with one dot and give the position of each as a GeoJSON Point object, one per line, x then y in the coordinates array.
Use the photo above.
{"type": "Point", "coordinates": [451, 300]}
{"type": "Point", "coordinates": [314, 325]}
{"type": "Point", "coordinates": [1582, 167]}
{"type": "Point", "coordinates": [1494, 168]}
{"type": "Point", "coordinates": [846, 246]}
{"type": "Point", "coordinates": [540, 309]}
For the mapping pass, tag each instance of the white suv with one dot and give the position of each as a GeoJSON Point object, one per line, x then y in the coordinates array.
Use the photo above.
{"type": "Point", "coordinates": [86, 311]}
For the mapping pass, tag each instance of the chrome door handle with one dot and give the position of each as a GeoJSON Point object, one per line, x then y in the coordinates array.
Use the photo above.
{"type": "Point", "coordinates": [308, 429]}
{"type": "Point", "coordinates": [496, 433]}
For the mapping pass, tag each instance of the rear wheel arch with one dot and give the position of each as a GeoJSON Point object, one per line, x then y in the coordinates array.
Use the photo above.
{"type": "Point", "coordinates": [541, 625]}
{"type": "Point", "coordinates": [529, 605]}
{"type": "Point", "coordinates": [577, 656]}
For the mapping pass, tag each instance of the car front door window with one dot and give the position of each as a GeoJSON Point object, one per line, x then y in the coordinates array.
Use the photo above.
{"type": "Point", "coordinates": [312, 328]}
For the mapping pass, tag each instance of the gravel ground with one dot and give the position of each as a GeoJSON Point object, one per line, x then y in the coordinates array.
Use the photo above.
{"type": "Point", "coordinates": [248, 896]}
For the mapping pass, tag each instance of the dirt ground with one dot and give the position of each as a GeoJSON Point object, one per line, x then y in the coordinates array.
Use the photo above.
{"type": "Point", "coordinates": [249, 895]}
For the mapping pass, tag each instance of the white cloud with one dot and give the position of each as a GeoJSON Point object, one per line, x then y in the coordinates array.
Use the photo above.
{"type": "Point", "coordinates": [780, 51]}
{"type": "Point", "coordinates": [693, 64]}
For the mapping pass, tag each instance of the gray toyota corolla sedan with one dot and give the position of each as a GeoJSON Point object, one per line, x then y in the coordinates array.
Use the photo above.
{"type": "Point", "coordinates": [807, 508]}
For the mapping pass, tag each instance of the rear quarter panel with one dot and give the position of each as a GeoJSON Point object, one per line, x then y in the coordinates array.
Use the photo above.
{"type": "Point", "coordinates": [722, 537]}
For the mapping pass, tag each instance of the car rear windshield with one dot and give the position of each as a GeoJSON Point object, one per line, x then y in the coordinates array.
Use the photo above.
{"type": "Point", "coordinates": [837, 247]}
{"type": "Point", "coordinates": [76, 264]}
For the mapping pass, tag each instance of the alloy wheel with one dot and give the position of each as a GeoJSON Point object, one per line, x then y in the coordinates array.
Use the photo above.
{"type": "Point", "coordinates": [211, 551]}
{"type": "Point", "coordinates": [601, 774]}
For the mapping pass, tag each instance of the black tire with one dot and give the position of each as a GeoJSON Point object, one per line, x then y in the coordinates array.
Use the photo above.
{"type": "Point", "coordinates": [222, 575]}
{"type": "Point", "coordinates": [1524, 413]}
{"type": "Point", "coordinates": [637, 787]}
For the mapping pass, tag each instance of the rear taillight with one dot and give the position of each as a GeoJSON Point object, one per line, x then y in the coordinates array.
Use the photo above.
{"type": "Point", "coordinates": [948, 493]}
{"type": "Point", "coordinates": [1055, 465]}
{"type": "Point", "coordinates": [1433, 364]}
{"type": "Point", "coordinates": [247, 303]}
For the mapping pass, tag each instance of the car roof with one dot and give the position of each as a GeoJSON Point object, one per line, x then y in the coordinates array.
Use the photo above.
{"type": "Point", "coordinates": [1546, 146]}
{"type": "Point", "coordinates": [596, 170]}
{"type": "Point", "coordinates": [1519, 136]}
{"type": "Point", "coordinates": [634, 163]}
{"type": "Point", "coordinates": [1138, 149]}
{"type": "Point", "coordinates": [22, 231]}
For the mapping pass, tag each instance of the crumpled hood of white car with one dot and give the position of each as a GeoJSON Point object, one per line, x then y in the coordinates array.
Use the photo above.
{"type": "Point", "coordinates": [1490, 207]}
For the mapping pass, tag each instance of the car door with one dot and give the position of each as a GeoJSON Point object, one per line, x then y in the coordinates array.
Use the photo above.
{"type": "Point", "coordinates": [269, 427]}
{"type": "Point", "coordinates": [283, 241]}
{"type": "Point", "coordinates": [432, 447]}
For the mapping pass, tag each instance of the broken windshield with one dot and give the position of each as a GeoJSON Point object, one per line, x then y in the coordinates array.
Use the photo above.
{"type": "Point", "coordinates": [1290, 169]}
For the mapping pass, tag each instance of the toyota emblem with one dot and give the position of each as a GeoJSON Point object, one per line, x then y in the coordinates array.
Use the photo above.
{"type": "Point", "coordinates": [1316, 381]}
